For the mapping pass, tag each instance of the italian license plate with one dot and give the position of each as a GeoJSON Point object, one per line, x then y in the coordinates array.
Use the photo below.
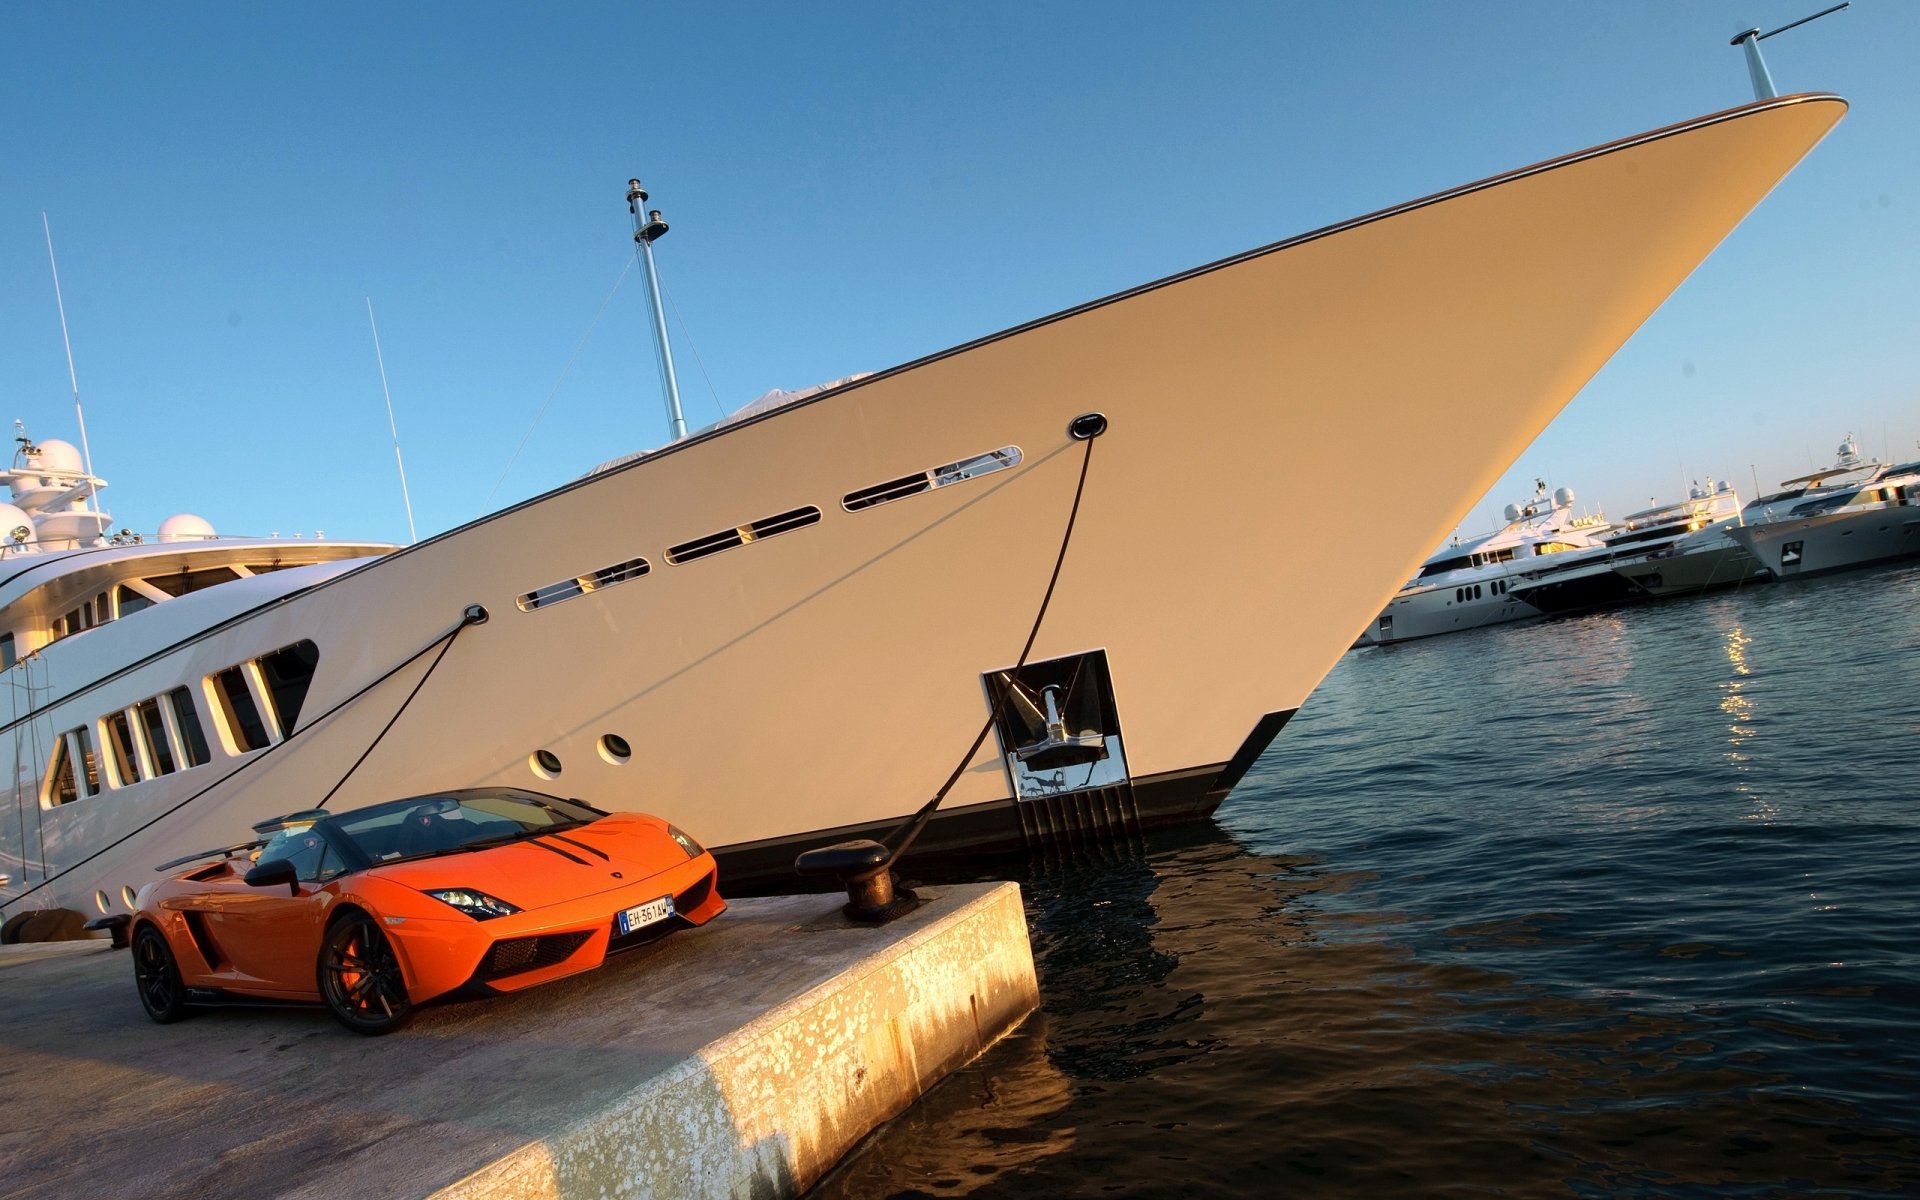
{"type": "Point", "coordinates": [642, 915]}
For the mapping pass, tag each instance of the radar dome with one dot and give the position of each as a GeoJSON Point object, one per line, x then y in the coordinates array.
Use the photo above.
{"type": "Point", "coordinates": [185, 527]}
{"type": "Point", "coordinates": [16, 527]}
{"type": "Point", "coordinates": [56, 455]}
{"type": "Point", "coordinates": [1723, 487]}
{"type": "Point", "coordinates": [1512, 511]}
{"type": "Point", "coordinates": [1563, 497]}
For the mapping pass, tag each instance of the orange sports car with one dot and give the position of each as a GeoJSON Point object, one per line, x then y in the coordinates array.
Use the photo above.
{"type": "Point", "coordinates": [378, 911]}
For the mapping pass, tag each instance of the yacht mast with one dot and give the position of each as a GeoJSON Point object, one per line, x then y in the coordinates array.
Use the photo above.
{"type": "Point", "coordinates": [647, 226]}
{"type": "Point", "coordinates": [1749, 40]}
{"type": "Point", "coordinates": [86, 454]}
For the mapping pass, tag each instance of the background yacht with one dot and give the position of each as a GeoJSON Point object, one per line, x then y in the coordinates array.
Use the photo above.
{"type": "Point", "coordinates": [1469, 585]}
{"type": "Point", "coordinates": [1667, 550]}
{"type": "Point", "coordinates": [1848, 515]}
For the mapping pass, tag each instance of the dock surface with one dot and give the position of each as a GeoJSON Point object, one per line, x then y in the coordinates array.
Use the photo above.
{"type": "Point", "coordinates": [742, 1059]}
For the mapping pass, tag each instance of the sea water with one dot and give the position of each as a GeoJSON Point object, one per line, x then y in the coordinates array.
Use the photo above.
{"type": "Point", "coordinates": [1622, 905]}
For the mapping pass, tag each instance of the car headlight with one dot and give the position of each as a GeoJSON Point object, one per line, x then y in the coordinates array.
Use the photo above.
{"type": "Point", "coordinates": [686, 843]}
{"type": "Point", "coordinates": [478, 905]}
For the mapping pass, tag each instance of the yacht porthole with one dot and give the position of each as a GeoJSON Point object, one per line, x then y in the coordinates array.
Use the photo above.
{"type": "Point", "coordinates": [545, 764]}
{"type": "Point", "coordinates": [101, 902]}
{"type": "Point", "coordinates": [614, 748]}
{"type": "Point", "coordinates": [127, 894]}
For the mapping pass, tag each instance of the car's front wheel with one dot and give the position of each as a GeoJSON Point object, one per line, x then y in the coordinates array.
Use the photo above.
{"type": "Point", "coordinates": [157, 978]}
{"type": "Point", "coordinates": [360, 977]}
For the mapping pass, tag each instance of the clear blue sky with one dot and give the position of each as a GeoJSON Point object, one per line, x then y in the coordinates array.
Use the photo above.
{"type": "Point", "coordinates": [850, 186]}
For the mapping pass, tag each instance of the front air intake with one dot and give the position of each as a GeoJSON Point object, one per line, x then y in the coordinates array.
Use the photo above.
{"type": "Point", "coordinates": [515, 956]}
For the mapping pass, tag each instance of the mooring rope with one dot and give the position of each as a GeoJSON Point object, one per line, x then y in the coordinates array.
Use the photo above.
{"type": "Point", "coordinates": [1086, 428]}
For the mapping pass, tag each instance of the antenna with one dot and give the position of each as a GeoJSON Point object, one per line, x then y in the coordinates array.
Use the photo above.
{"type": "Point", "coordinates": [86, 454]}
{"type": "Point", "coordinates": [1749, 40]}
{"type": "Point", "coordinates": [647, 228]}
{"type": "Point", "coordinates": [412, 536]}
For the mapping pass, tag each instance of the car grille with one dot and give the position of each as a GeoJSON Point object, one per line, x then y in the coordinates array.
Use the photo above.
{"type": "Point", "coordinates": [515, 955]}
{"type": "Point", "coordinates": [694, 896]}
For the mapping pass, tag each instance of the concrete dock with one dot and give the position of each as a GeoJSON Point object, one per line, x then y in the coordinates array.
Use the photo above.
{"type": "Point", "coordinates": [742, 1060]}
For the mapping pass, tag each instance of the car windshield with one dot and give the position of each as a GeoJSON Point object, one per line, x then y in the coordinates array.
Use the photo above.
{"type": "Point", "coordinates": [427, 825]}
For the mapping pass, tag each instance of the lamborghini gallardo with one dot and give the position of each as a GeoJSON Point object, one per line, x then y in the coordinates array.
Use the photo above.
{"type": "Point", "coordinates": [380, 910]}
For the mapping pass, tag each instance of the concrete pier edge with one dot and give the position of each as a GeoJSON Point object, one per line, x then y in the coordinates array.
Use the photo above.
{"type": "Point", "coordinates": [766, 1110]}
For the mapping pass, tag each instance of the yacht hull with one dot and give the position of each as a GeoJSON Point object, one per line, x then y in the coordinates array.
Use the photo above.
{"type": "Point", "coordinates": [1833, 541]}
{"type": "Point", "coordinates": [1475, 601]}
{"type": "Point", "coordinates": [830, 677]}
{"type": "Point", "coordinates": [1694, 572]}
{"type": "Point", "coordinates": [1583, 589]}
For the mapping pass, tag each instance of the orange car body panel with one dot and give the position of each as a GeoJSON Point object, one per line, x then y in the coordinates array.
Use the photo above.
{"type": "Point", "coordinates": [264, 942]}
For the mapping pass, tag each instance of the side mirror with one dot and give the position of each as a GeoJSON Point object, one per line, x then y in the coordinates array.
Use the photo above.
{"type": "Point", "coordinates": [275, 871]}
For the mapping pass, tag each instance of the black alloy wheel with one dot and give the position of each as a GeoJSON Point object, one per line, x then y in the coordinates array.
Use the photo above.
{"type": "Point", "coordinates": [360, 978]}
{"type": "Point", "coordinates": [157, 978]}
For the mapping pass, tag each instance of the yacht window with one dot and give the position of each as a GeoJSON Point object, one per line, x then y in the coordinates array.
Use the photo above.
{"type": "Point", "coordinates": [288, 672]}
{"type": "Point", "coordinates": [781, 522]}
{"type": "Point", "coordinates": [238, 714]}
{"type": "Point", "coordinates": [7, 655]}
{"type": "Point", "coordinates": [89, 773]}
{"type": "Point", "coordinates": [553, 593]}
{"type": "Point", "coordinates": [753, 531]}
{"type": "Point", "coordinates": [713, 543]}
{"type": "Point", "coordinates": [633, 568]}
{"type": "Point", "coordinates": [1445, 565]}
{"type": "Point", "coordinates": [880, 493]}
{"type": "Point", "coordinates": [60, 785]}
{"type": "Point", "coordinates": [193, 739]}
{"type": "Point", "coordinates": [941, 476]}
{"type": "Point", "coordinates": [580, 585]}
{"type": "Point", "coordinates": [159, 749]}
{"type": "Point", "coordinates": [117, 736]}
{"type": "Point", "coordinates": [182, 582]}
{"type": "Point", "coordinates": [129, 601]}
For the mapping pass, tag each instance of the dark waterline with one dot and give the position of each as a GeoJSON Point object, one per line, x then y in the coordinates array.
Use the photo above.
{"type": "Point", "coordinates": [1615, 906]}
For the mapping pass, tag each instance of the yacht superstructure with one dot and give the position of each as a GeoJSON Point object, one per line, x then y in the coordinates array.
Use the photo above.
{"type": "Point", "coordinates": [786, 630]}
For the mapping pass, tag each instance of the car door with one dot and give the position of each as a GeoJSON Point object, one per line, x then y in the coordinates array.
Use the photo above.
{"type": "Point", "coordinates": [272, 934]}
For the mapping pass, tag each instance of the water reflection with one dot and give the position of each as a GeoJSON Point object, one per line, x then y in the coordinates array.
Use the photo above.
{"type": "Point", "coordinates": [1209, 1029]}
{"type": "Point", "coordinates": [1741, 712]}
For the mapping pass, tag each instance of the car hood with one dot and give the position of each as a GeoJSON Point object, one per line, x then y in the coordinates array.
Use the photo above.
{"type": "Point", "coordinates": [543, 870]}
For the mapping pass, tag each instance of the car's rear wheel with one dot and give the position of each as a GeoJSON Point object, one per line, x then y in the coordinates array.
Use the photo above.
{"type": "Point", "coordinates": [360, 977]}
{"type": "Point", "coordinates": [157, 978]}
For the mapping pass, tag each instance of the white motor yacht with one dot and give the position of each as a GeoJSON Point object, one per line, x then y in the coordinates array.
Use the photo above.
{"type": "Point", "coordinates": [1469, 584]}
{"type": "Point", "coordinates": [1667, 550]}
{"type": "Point", "coordinates": [1848, 515]}
{"type": "Point", "coordinates": [789, 630]}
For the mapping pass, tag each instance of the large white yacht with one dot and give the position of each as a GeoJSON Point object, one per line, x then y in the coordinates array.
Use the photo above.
{"type": "Point", "coordinates": [1848, 515]}
{"type": "Point", "coordinates": [1666, 550]}
{"type": "Point", "coordinates": [789, 629]}
{"type": "Point", "coordinates": [1469, 584]}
